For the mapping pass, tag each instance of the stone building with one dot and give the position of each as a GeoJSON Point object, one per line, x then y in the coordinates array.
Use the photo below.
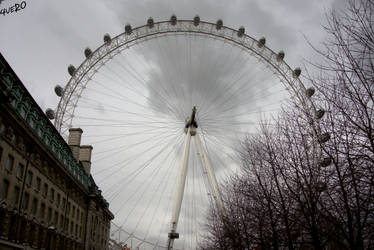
{"type": "Point", "coordinates": [48, 199]}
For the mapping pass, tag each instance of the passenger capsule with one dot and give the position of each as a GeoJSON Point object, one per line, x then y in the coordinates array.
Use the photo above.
{"type": "Point", "coordinates": [261, 42]}
{"type": "Point", "coordinates": [173, 235]}
{"type": "Point", "coordinates": [219, 24]}
{"type": "Point", "coordinates": [280, 56]}
{"type": "Point", "coordinates": [321, 186]}
{"type": "Point", "coordinates": [87, 52]}
{"type": "Point", "coordinates": [71, 70]}
{"type": "Point", "coordinates": [297, 72]}
{"type": "Point", "coordinates": [150, 23]}
{"type": "Point", "coordinates": [320, 113]}
{"type": "Point", "coordinates": [50, 114]}
{"type": "Point", "coordinates": [107, 38]}
{"type": "Point", "coordinates": [196, 20]}
{"type": "Point", "coordinates": [324, 137]}
{"type": "Point", "coordinates": [59, 90]}
{"type": "Point", "coordinates": [241, 31]}
{"type": "Point", "coordinates": [128, 29]}
{"type": "Point", "coordinates": [310, 92]}
{"type": "Point", "coordinates": [173, 20]}
{"type": "Point", "coordinates": [325, 162]}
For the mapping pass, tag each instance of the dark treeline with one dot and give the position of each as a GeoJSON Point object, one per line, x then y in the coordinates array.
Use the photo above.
{"type": "Point", "coordinates": [308, 181]}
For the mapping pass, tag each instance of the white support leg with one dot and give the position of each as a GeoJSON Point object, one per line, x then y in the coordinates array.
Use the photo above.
{"type": "Point", "coordinates": [208, 169]}
{"type": "Point", "coordinates": [180, 189]}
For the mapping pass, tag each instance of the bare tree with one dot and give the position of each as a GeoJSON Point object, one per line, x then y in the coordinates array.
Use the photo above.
{"type": "Point", "coordinates": [299, 189]}
{"type": "Point", "coordinates": [273, 202]}
{"type": "Point", "coordinates": [346, 88]}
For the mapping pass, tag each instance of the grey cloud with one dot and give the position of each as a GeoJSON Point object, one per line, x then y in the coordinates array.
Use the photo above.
{"type": "Point", "coordinates": [47, 36]}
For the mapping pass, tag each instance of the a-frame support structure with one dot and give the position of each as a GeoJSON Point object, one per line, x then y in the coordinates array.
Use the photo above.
{"type": "Point", "coordinates": [191, 131]}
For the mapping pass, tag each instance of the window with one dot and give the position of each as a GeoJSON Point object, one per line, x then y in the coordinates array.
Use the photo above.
{"type": "Point", "coordinates": [63, 203]}
{"type": "Point", "coordinates": [52, 195]}
{"type": "Point", "coordinates": [49, 215]}
{"type": "Point", "coordinates": [42, 211]}
{"type": "Point", "coordinates": [2, 128]}
{"type": "Point", "coordinates": [29, 176]}
{"type": "Point", "coordinates": [20, 169]}
{"type": "Point", "coordinates": [9, 163]}
{"type": "Point", "coordinates": [45, 190]}
{"type": "Point", "coordinates": [55, 221]}
{"type": "Point", "coordinates": [4, 190]}
{"type": "Point", "coordinates": [25, 203]}
{"type": "Point", "coordinates": [71, 227]}
{"type": "Point", "coordinates": [37, 184]}
{"type": "Point", "coordinates": [16, 195]}
{"type": "Point", "coordinates": [68, 209]}
{"type": "Point", "coordinates": [1, 151]}
{"type": "Point", "coordinates": [66, 224]}
{"type": "Point", "coordinates": [62, 221]}
{"type": "Point", "coordinates": [34, 206]}
{"type": "Point", "coordinates": [58, 200]}
{"type": "Point", "coordinates": [73, 215]}
{"type": "Point", "coordinates": [76, 229]}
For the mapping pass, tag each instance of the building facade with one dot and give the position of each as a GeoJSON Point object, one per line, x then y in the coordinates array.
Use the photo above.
{"type": "Point", "coordinates": [48, 198]}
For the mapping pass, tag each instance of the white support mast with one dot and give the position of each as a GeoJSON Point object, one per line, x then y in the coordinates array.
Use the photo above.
{"type": "Point", "coordinates": [208, 169]}
{"type": "Point", "coordinates": [190, 129]}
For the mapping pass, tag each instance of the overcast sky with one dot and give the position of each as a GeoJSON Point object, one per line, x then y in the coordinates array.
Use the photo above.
{"type": "Point", "coordinates": [40, 41]}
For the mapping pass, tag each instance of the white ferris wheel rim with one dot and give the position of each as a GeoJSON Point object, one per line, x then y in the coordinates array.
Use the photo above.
{"type": "Point", "coordinates": [73, 90]}
{"type": "Point", "coordinates": [84, 73]}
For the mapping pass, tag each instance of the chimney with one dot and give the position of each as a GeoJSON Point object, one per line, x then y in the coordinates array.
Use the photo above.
{"type": "Point", "coordinates": [74, 141]}
{"type": "Point", "coordinates": [85, 157]}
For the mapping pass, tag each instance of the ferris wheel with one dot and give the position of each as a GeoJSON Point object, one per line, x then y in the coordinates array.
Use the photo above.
{"type": "Point", "coordinates": [164, 106]}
